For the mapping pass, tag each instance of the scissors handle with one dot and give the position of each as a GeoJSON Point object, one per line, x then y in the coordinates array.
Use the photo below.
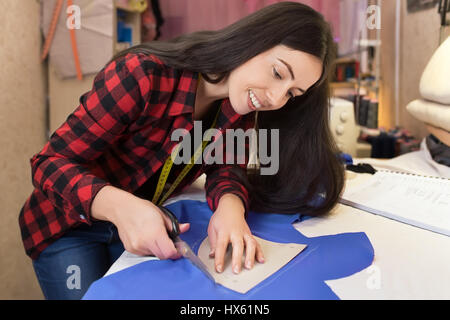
{"type": "Point", "coordinates": [175, 232]}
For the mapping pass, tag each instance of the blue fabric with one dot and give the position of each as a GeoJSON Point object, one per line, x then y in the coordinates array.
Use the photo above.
{"type": "Point", "coordinates": [325, 258]}
{"type": "Point", "coordinates": [346, 158]}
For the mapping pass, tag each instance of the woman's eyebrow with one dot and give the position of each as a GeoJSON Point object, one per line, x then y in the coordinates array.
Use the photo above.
{"type": "Point", "coordinates": [291, 72]}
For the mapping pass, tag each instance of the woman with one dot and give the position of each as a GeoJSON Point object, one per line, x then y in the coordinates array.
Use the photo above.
{"type": "Point", "coordinates": [96, 176]}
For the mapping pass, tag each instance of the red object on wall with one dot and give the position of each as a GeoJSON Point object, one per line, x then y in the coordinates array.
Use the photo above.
{"type": "Point", "coordinates": [356, 69]}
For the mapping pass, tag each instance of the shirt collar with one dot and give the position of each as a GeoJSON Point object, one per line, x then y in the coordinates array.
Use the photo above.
{"type": "Point", "coordinates": [184, 100]}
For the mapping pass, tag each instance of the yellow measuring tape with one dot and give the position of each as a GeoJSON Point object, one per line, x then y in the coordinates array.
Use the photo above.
{"type": "Point", "coordinates": [168, 165]}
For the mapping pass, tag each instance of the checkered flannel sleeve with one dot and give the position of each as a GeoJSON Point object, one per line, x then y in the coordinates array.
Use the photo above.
{"type": "Point", "coordinates": [119, 94]}
{"type": "Point", "coordinates": [220, 180]}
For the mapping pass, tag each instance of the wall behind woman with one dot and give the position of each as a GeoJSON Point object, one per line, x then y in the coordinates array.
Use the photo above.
{"type": "Point", "coordinates": [182, 16]}
{"type": "Point", "coordinates": [22, 133]}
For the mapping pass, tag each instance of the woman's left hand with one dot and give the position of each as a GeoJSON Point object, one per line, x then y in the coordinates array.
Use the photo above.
{"type": "Point", "coordinates": [228, 225]}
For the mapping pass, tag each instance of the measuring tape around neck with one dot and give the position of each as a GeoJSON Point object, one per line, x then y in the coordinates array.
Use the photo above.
{"type": "Point", "coordinates": [168, 165]}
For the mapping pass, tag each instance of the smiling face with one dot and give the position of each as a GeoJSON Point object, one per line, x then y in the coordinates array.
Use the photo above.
{"type": "Point", "coordinates": [267, 81]}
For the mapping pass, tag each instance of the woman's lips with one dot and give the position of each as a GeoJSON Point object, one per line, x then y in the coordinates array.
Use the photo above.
{"type": "Point", "coordinates": [250, 103]}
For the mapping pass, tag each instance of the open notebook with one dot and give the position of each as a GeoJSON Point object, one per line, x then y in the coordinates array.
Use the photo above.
{"type": "Point", "coordinates": [422, 201]}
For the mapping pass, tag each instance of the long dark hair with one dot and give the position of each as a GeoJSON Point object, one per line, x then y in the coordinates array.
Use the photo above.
{"type": "Point", "coordinates": [310, 178]}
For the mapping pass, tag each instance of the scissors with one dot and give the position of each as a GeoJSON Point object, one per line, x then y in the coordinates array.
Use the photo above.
{"type": "Point", "coordinates": [182, 247]}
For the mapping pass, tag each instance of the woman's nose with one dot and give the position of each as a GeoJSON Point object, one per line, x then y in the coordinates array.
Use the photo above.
{"type": "Point", "coordinates": [277, 97]}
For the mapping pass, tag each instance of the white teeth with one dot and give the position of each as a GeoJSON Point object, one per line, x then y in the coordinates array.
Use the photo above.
{"type": "Point", "coordinates": [255, 102]}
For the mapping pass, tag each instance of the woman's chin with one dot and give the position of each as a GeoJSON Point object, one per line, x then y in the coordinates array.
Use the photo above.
{"type": "Point", "coordinates": [241, 111]}
{"type": "Point", "coordinates": [241, 108]}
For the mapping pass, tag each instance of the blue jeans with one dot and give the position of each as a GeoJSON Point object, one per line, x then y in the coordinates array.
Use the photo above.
{"type": "Point", "coordinates": [67, 267]}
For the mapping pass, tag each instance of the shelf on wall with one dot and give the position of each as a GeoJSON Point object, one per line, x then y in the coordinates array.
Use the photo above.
{"type": "Point", "coordinates": [345, 60]}
{"type": "Point", "coordinates": [343, 84]}
{"type": "Point", "coordinates": [134, 6]}
{"type": "Point", "coordinates": [125, 8]}
{"type": "Point", "coordinates": [132, 18]}
{"type": "Point", "coordinates": [353, 84]}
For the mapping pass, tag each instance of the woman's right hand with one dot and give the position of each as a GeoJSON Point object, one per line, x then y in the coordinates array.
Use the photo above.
{"type": "Point", "coordinates": [142, 226]}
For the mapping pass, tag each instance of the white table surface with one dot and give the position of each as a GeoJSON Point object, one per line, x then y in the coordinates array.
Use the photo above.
{"type": "Point", "coordinates": [409, 263]}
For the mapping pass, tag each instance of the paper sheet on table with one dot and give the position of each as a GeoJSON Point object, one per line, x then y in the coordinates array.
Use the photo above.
{"type": "Point", "coordinates": [276, 256]}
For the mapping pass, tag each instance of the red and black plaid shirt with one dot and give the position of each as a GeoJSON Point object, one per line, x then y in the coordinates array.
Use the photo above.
{"type": "Point", "coordinates": [119, 135]}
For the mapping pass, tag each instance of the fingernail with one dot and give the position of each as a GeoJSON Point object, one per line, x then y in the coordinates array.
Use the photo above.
{"type": "Point", "coordinates": [236, 269]}
{"type": "Point", "coordinates": [248, 265]}
{"type": "Point", "coordinates": [219, 268]}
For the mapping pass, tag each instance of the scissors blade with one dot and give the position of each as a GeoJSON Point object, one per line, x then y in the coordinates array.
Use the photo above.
{"type": "Point", "coordinates": [187, 252]}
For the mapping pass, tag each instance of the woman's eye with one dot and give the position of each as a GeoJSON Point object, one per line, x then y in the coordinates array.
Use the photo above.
{"type": "Point", "coordinates": [276, 73]}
